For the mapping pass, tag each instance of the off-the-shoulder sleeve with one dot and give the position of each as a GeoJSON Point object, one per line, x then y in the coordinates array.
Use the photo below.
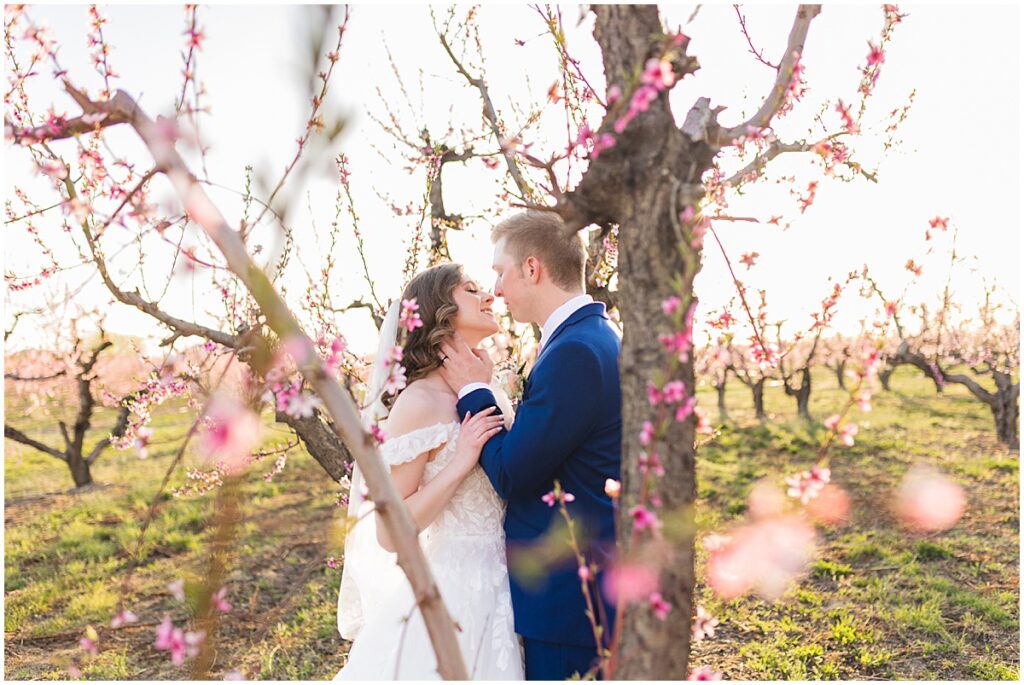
{"type": "Point", "coordinates": [406, 447]}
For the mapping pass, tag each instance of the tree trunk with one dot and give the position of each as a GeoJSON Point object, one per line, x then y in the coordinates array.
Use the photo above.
{"type": "Point", "coordinates": [841, 374]}
{"type": "Point", "coordinates": [80, 470]}
{"type": "Point", "coordinates": [803, 395]}
{"type": "Point", "coordinates": [757, 390]}
{"type": "Point", "coordinates": [321, 441]}
{"type": "Point", "coordinates": [1006, 411]}
{"type": "Point", "coordinates": [884, 375]}
{"type": "Point", "coordinates": [723, 415]}
{"type": "Point", "coordinates": [642, 184]}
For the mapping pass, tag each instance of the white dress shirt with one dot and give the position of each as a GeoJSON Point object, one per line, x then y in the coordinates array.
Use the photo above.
{"type": "Point", "coordinates": [556, 319]}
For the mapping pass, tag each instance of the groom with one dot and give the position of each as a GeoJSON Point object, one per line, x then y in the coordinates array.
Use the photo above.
{"type": "Point", "coordinates": [568, 428]}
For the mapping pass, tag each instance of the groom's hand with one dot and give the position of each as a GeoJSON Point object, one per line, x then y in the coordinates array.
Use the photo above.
{"type": "Point", "coordinates": [461, 366]}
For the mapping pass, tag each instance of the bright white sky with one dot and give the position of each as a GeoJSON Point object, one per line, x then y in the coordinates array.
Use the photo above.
{"type": "Point", "coordinates": [960, 157]}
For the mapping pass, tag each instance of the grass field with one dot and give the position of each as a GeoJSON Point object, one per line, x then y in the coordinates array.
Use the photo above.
{"type": "Point", "coordinates": [880, 603]}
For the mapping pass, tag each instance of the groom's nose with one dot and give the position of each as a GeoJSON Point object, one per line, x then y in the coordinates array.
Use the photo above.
{"type": "Point", "coordinates": [497, 288]}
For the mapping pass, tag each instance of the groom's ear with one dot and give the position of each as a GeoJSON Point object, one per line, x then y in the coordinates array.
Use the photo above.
{"type": "Point", "coordinates": [531, 270]}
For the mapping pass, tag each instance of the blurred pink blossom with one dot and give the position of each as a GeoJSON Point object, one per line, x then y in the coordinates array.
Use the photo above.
{"type": "Point", "coordinates": [807, 485]}
{"type": "Point", "coordinates": [231, 434]}
{"type": "Point", "coordinates": [831, 506]}
{"type": "Point", "coordinates": [704, 673]}
{"type": "Point", "coordinates": [123, 618]}
{"type": "Point", "coordinates": [177, 589]}
{"type": "Point", "coordinates": [929, 501]}
{"type": "Point", "coordinates": [703, 624]}
{"type": "Point", "coordinates": [766, 556]}
{"type": "Point", "coordinates": [659, 606]}
{"type": "Point", "coordinates": [220, 602]}
{"type": "Point", "coordinates": [629, 582]}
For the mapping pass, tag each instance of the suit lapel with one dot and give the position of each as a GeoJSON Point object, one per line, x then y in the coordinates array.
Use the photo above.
{"type": "Point", "coordinates": [587, 310]}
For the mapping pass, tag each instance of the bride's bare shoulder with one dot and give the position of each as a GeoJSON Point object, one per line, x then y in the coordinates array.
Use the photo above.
{"type": "Point", "coordinates": [418, 406]}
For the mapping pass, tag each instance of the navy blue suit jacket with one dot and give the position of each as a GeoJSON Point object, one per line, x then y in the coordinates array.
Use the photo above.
{"type": "Point", "coordinates": [568, 427]}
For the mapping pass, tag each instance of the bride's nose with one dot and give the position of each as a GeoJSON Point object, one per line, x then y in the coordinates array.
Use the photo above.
{"type": "Point", "coordinates": [488, 298]}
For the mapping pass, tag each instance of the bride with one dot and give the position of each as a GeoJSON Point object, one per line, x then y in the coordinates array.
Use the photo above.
{"type": "Point", "coordinates": [433, 458]}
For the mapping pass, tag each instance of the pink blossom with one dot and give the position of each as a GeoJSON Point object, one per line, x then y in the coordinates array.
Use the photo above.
{"type": "Point", "coordinates": [913, 267]}
{"type": "Point", "coordinates": [808, 484]}
{"type": "Point", "coordinates": [646, 433]}
{"type": "Point", "coordinates": [658, 73]}
{"type": "Point", "coordinates": [614, 95]}
{"type": "Point", "coordinates": [765, 500]}
{"type": "Point", "coordinates": [629, 582]}
{"type": "Point", "coordinates": [177, 589]}
{"type": "Point", "coordinates": [651, 461]}
{"type": "Point", "coordinates": [231, 433]}
{"type": "Point", "coordinates": [671, 304]}
{"type": "Point", "coordinates": [831, 506]}
{"type": "Point", "coordinates": [53, 168]}
{"type": "Point", "coordinates": [876, 55]}
{"type": "Point", "coordinates": [864, 400]}
{"type": "Point", "coordinates": [685, 409]}
{"type": "Point", "coordinates": [703, 624]}
{"type": "Point", "coordinates": [844, 112]}
{"type": "Point", "coordinates": [612, 488]}
{"type": "Point", "coordinates": [603, 142]}
{"type": "Point", "coordinates": [644, 519]}
{"type": "Point", "coordinates": [653, 394]}
{"type": "Point", "coordinates": [220, 602]}
{"type": "Point", "coordinates": [749, 258]}
{"type": "Point", "coordinates": [674, 391]}
{"type": "Point", "coordinates": [410, 318]}
{"type": "Point", "coordinates": [301, 405]}
{"type": "Point", "coordinates": [703, 422]}
{"type": "Point", "coordinates": [556, 496]}
{"type": "Point", "coordinates": [332, 562]}
{"type": "Point", "coordinates": [929, 501]}
{"type": "Point", "coordinates": [659, 606]}
{"type": "Point", "coordinates": [377, 434]}
{"type": "Point", "coordinates": [832, 421]}
{"type": "Point", "coordinates": [847, 432]}
{"type": "Point", "coordinates": [123, 618]}
{"type": "Point", "coordinates": [584, 573]}
{"type": "Point", "coordinates": [704, 673]}
{"type": "Point", "coordinates": [766, 556]}
{"type": "Point", "coordinates": [179, 643]}
{"type": "Point", "coordinates": [89, 646]}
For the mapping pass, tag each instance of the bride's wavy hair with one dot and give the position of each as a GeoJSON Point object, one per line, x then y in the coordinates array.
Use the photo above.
{"type": "Point", "coordinates": [433, 290]}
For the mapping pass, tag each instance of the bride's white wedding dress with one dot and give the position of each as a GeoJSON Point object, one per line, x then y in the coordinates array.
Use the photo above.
{"type": "Point", "coordinates": [465, 546]}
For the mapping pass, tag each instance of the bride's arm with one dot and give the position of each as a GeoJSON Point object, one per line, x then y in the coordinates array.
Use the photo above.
{"type": "Point", "coordinates": [425, 503]}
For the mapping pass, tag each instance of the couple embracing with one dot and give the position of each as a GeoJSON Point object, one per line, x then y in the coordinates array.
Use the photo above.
{"type": "Point", "coordinates": [475, 477]}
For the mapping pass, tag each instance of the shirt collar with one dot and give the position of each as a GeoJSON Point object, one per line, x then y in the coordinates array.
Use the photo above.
{"type": "Point", "coordinates": [559, 316]}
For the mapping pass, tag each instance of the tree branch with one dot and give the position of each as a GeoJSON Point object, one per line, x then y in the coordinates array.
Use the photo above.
{"type": "Point", "coordinates": [770, 107]}
{"type": "Point", "coordinates": [490, 116]}
{"type": "Point", "coordinates": [339, 406]}
{"type": "Point", "coordinates": [16, 435]}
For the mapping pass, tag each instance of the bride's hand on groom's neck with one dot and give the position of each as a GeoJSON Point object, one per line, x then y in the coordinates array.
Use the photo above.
{"type": "Point", "coordinates": [461, 365]}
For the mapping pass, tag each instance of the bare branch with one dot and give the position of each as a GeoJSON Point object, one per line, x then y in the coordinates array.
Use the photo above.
{"type": "Point", "coordinates": [16, 435]}
{"type": "Point", "coordinates": [490, 115]}
{"type": "Point", "coordinates": [770, 107]}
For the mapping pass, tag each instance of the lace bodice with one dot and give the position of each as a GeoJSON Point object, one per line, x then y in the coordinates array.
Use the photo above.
{"type": "Point", "coordinates": [475, 509]}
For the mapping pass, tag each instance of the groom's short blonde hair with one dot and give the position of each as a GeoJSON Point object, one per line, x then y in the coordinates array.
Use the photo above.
{"type": "Point", "coordinates": [542, 235]}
